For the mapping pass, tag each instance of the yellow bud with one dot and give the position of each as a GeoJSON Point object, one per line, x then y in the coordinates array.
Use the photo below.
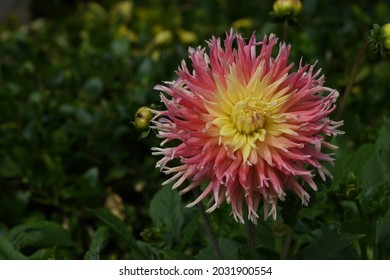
{"type": "Point", "coordinates": [287, 7]}
{"type": "Point", "coordinates": [386, 29]}
{"type": "Point", "coordinates": [142, 118]}
{"type": "Point", "coordinates": [385, 36]}
{"type": "Point", "coordinates": [386, 44]}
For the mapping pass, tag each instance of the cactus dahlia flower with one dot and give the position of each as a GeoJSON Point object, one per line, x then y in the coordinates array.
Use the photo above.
{"type": "Point", "coordinates": [245, 124]}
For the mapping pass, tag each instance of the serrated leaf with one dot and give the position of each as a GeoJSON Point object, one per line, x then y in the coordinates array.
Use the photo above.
{"type": "Point", "coordinates": [8, 251]}
{"type": "Point", "coordinates": [374, 173]}
{"type": "Point", "coordinates": [351, 162]}
{"type": "Point", "coordinates": [166, 209]}
{"type": "Point", "coordinates": [98, 242]}
{"type": "Point", "coordinates": [329, 245]}
{"type": "Point", "coordinates": [40, 234]}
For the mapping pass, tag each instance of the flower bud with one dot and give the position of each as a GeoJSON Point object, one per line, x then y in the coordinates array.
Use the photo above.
{"type": "Point", "coordinates": [142, 118]}
{"type": "Point", "coordinates": [380, 36]}
{"type": "Point", "coordinates": [287, 7]}
{"type": "Point", "coordinates": [351, 188]}
{"type": "Point", "coordinates": [385, 37]}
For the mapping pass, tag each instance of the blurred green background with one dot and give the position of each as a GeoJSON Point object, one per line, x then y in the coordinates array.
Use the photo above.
{"type": "Point", "coordinates": [74, 172]}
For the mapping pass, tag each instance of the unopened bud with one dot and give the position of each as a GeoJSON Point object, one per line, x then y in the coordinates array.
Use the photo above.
{"type": "Point", "coordinates": [142, 118]}
{"type": "Point", "coordinates": [287, 7]}
{"type": "Point", "coordinates": [385, 37]}
{"type": "Point", "coordinates": [351, 187]}
{"type": "Point", "coordinates": [380, 36]}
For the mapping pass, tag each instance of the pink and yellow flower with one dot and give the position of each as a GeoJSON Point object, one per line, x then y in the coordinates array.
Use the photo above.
{"type": "Point", "coordinates": [245, 125]}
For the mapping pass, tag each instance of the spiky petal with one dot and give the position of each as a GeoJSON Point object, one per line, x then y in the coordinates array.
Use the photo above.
{"type": "Point", "coordinates": [245, 125]}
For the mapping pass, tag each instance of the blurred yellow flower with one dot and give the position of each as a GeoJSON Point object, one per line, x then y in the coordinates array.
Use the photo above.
{"type": "Point", "coordinates": [287, 7]}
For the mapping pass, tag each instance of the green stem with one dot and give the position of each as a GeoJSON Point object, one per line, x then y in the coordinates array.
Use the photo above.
{"type": "Point", "coordinates": [251, 233]}
{"type": "Point", "coordinates": [348, 88]}
{"type": "Point", "coordinates": [209, 229]}
{"type": "Point", "coordinates": [286, 244]}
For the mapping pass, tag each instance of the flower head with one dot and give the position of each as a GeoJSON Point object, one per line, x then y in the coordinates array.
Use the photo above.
{"type": "Point", "coordinates": [245, 124]}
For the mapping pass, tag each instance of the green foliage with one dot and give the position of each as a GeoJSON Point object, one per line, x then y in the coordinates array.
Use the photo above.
{"type": "Point", "coordinates": [39, 240]}
{"type": "Point", "coordinates": [98, 242]}
{"type": "Point", "coordinates": [382, 242]}
{"type": "Point", "coordinates": [77, 180]}
{"type": "Point", "coordinates": [8, 250]}
{"type": "Point", "coordinates": [329, 245]}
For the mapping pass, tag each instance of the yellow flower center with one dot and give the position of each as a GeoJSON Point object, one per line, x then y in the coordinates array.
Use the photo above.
{"type": "Point", "coordinates": [249, 115]}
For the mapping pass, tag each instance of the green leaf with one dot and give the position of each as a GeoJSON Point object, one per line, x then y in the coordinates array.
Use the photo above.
{"type": "Point", "coordinates": [99, 241]}
{"type": "Point", "coordinates": [44, 254]}
{"type": "Point", "coordinates": [166, 209]}
{"type": "Point", "coordinates": [8, 251]}
{"type": "Point", "coordinates": [351, 162]}
{"type": "Point", "coordinates": [229, 249]}
{"type": "Point", "coordinates": [40, 234]}
{"type": "Point", "coordinates": [264, 237]}
{"type": "Point", "coordinates": [189, 230]}
{"type": "Point", "coordinates": [144, 134]}
{"type": "Point", "coordinates": [174, 255]}
{"type": "Point", "coordinates": [91, 177]}
{"type": "Point", "coordinates": [374, 173]}
{"type": "Point", "coordinates": [382, 246]}
{"type": "Point", "coordinates": [329, 245]}
{"type": "Point", "coordinates": [117, 226]}
{"type": "Point", "coordinates": [247, 252]}
{"type": "Point", "coordinates": [144, 251]}
{"type": "Point", "coordinates": [384, 136]}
